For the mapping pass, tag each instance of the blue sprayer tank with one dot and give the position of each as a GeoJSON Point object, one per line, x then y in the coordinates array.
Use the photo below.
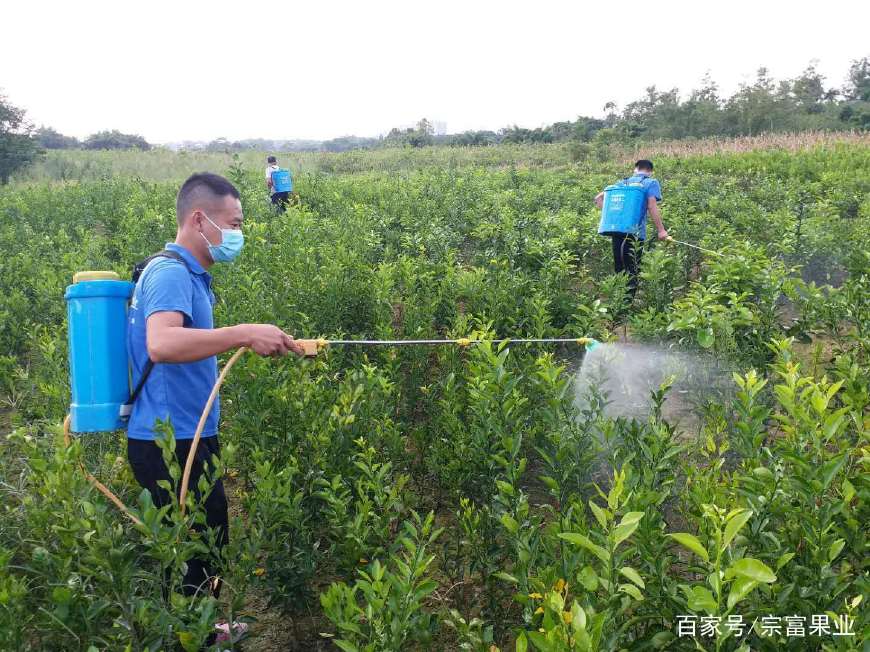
{"type": "Point", "coordinates": [622, 208]}
{"type": "Point", "coordinates": [97, 324]}
{"type": "Point", "coordinates": [281, 181]}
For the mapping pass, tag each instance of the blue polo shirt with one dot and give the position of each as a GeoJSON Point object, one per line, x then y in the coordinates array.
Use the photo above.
{"type": "Point", "coordinates": [174, 391]}
{"type": "Point", "coordinates": [653, 189]}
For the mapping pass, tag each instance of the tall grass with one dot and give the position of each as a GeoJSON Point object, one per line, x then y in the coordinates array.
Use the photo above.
{"type": "Point", "coordinates": [791, 142]}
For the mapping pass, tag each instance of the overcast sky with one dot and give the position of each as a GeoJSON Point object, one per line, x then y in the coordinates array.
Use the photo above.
{"type": "Point", "coordinates": [190, 70]}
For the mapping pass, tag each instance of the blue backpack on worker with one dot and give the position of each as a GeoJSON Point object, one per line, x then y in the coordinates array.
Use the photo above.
{"type": "Point", "coordinates": [624, 208]}
{"type": "Point", "coordinates": [281, 181]}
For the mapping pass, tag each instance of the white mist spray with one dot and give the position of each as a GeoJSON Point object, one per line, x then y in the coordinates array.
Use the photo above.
{"type": "Point", "coordinates": [626, 373]}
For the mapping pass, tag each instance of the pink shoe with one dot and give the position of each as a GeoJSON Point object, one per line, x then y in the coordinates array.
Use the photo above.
{"type": "Point", "coordinates": [230, 635]}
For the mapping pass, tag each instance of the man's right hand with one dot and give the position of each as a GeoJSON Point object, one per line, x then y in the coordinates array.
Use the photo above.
{"type": "Point", "coordinates": [599, 200]}
{"type": "Point", "coordinates": [267, 339]}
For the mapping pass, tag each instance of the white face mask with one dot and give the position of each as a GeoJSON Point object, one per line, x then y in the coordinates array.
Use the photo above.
{"type": "Point", "coordinates": [232, 241]}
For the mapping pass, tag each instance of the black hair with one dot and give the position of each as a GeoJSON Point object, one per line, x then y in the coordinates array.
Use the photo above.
{"type": "Point", "coordinates": [202, 186]}
{"type": "Point", "coordinates": [644, 164]}
{"type": "Point", "coordinates": [271, 159]}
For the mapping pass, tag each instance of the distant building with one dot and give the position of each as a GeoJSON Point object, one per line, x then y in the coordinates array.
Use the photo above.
{"type": "Point", "coordinates": [440, 127]}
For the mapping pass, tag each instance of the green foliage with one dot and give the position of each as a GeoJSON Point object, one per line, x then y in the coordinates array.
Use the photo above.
{"type": "Point", "coordinates": [18, 147]}
{"type": "Point", "coordinates": [114, 139]}
{"type": "Point", "coordinates": [49, 138]}
{"type": "Point", "coordinates": [384, 609]}
{"type": "Point", "coordinates": [551, 515]}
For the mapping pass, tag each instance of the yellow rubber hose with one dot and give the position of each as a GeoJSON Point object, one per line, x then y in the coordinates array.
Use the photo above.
{"type": "Point", "coordinates": [96, 483]}
{"type": "Point", "coordinates": [191, 455]}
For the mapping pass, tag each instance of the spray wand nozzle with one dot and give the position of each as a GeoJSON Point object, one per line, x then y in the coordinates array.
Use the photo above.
{"type": "Point", "coordinates": [312, 347]}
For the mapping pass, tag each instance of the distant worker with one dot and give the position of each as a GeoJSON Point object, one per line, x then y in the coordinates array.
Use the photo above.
{"type": "Point", "coordinates": [624, 208]}
{"type": "Point", "coordinates": [280, 184]}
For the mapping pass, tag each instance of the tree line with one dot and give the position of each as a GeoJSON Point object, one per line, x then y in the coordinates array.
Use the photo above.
{"type": "Point", "coordinates": [48, 138]}
{"type": "Point", "coordinates": [762, 106]}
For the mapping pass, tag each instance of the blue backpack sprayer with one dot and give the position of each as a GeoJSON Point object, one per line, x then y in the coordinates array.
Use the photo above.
{"type": "Point", "coordinates": [622, 209]}
{"type": "Point", "coordinates": [281, 181]}
{"type": "Point", "coordinates": [100, 374]}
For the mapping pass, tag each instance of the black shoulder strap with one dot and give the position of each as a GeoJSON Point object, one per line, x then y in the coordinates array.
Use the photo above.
{"type": "Point", "coordinates": [127, 408]}
{"type": "Point", "coordinates": [165, 253]}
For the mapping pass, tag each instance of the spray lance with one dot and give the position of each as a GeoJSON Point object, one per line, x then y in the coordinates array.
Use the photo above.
{"type": "Point", "coordinates": [687, 244]}
{"type": "Point", "coordinates": [313, 347]}
{"type": "Point", "coordinates": [100, 376]}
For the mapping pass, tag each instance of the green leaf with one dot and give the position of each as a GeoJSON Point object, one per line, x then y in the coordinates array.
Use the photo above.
{"type": "Point", "coordinates": [626, 527]}
{"type": "Point", "coordinates": [622, 532]}
{"type": "Point", "coordinates": [633, 575]}
{"type": "Point", "coordinates": [714, 581]}
{"type": "Point", "coordinates": [753, 569]}
{"type": "Point", "coordinates": [661, 639]}
{"type": "Point", "coordinates": [550, 482]}
{"type": "Point", "coordinates": [588, 578]}
{"type": "Point", "coordinates": [835, 549]}
{"type": "Point", "coordinates": [691, 542]}
{"type": "Point", "coordinates": [631, 517]}
{"type": "Point", "coordinates": [734, 526]}
{"type": "Point", "coordinates": [510, 523]}
{"type": "Point", "coordinates": [705, 338]}
{"type": "Point", "coordinates": [522, 642]}
{"type": "Point", "coordinates": [784, 559]}
{"type": "Point", "coordinates": [740, 588]}
{"type": "Point", "coordinates": [631, 590]}
{"type": "Point", "coordinates": [540, 641]}
{"type": "Point", "coordinates": [345, 645]}
{"type": "Point", "coordinates": [848, 491]}
{"type": "Point", "coordinates": [600, 516]}
{"type": "Point", "coordinates": [580, 540]}
{"type": "Point", "coordinates": [578, 617]}
{"type": "Point", "coordinates": [188, 641]}
{"type": "Point", "coordinates": [506, 577]}
{"type": "Point", "coordinates": [830, 469]}
{"type": "Point", "coordinates": [700, 599]}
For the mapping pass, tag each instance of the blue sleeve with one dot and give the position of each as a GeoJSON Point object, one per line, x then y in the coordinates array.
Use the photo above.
{"type": "Point", "coordinates": [166, 287]}
{"type": "Point", "coordinates": [654, 189]}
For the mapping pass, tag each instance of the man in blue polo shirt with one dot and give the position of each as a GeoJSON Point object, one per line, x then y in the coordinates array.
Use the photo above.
{"type": "Point", "coordinates": [628, 247]}
{"type": "Point", "coordinates": [171, 323]}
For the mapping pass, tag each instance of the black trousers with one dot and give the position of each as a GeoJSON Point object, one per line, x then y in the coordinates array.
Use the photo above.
{"type": "Point", "coordinates": [148, 467]}
{"type": "Point", "coordinates": [627, 252]}
{"type": "Point", "coordinates": [279, 200]}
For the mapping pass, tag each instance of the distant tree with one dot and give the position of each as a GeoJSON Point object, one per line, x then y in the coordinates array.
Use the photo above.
{"type": "Point", "coordinates": [18, 147]}
{"type": "Point", "coordinates": [419, 136]}
{"type": "Point", "coordinates": [51, 139]}
{"type": "Point", "coordinates": [703, 113]}
{"type": "Point", "coordinates": [808, 90]}
{"type": "Point", "coordinates": [585, 128]}
{"type": "Point", "coordinates": [858, 83]}
{"type": "Point", "coordinates": [855, 110]}
{"type": "Point", "coordinates": [472, 139]}
{"type": "Point", "coordinates": [115, 140]}
{"type": "Point", "coordinates": [425, 127]}
{"type": "Point", "coordinates": [422, 135]}
{"type": "Point", "coordinates": [346, 143]}
{"type": "Point", "coordinates": [219, 145]}
{"type": "Point", "coordinates": [612, 116]}
{"type": "Point", "coordinates": [757, 107]}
